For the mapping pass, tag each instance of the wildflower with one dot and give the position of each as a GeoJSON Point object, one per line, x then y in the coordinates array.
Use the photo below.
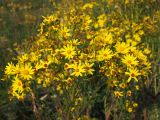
{"type": "Point", "coordinates": [26, 71]}
{"type": "Point", "coordinates": [104, 54]}
{"type": "Point", "coordinates": [88, 68]}
{"type": "Point", "coordinates": [67, 66]}
{"type": "Point", "coordinates": [45, 63]}
{"type": "Point", "coordinates": [23, 58]}
{"type": "Point", "coordinates": [78, 69]}
{"type": "Point", "coordinates": [137, 37]}
{"type": "Point", "coordinates": [139, 54]}
{"type": "Point", "coordinates": [87, 5]}
{"type": "Point", "coordinates": [73, 42]}
{"type": "Point", "coordinates": [135, 105]}
{"type": "Point", "coordinates": [129, 93]}
{"type": "Point", "coordinates": [126, 1]}
{"type": "Point", "coordinates": [130, 60]}
{"type": "Point", "coordinates": [101, 20]}
{"type": "Point", "coordinates": [147, 51]}
{"type": "Point", "coordinates": [122, 85]}
{"type": "Point", "coordinates": [130, 109]}
{"type": "Point", "coordinates": [118, 94]}
{"type": "Point", "coordinates": [137, 87]}
{"type": "Point", "coordinates": [64, 32]}
{"type": "Point", "coordinates": [86, 22]}
{"type": "Point", "coordinates": [17, 85]}
{"type": "Point", "coordinates": [33, 57]}
{"type": "Point", "coordinates": [127, 103]}
{"type": "Point", "coordinates": [68, 51]}
{"type": "Point", "coordinates": [122, 47]}
{"type": "Point", "coordinates": [9, 70]}
{"type": "Point", "coordinates": [133, 73]}
{"type": "Point", "coordinates": [112, 83]}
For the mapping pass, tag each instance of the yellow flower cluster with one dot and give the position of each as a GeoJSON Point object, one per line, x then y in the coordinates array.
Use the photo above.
{"type": "Point", "coordinates": [79, 45]}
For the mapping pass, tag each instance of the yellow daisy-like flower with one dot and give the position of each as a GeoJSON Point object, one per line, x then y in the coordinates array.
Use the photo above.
{"type": "Point", "coordinates": [104, 54]}
{"type": "Point", "coordinates": [135, 104]}
{"type": "Point", "coordinates": [130, 60]}
{"type": "Point", "coordinates": [118, 94]}
{"type": "Point", "coordinates": [78, 68]}
{"type": "Point", "coordinates": [26, 71]}
{"type": "Point", "coordinates": [130, 109]}
{"type": "Point", "coordinates": [65, 32]}
{"type": "Point", "coordinates": [122, 85]}
{"type": "Point", "coordinates": [68, 51]}
{"type": "Point", "coordinates": [87, 5]}
{"type": "Point", "coordinates": [112, 83]}
{"type": "Point", "coordinates": [88, 68]}
{"type": "Point", "coordinates": [137, 37]}
{"type": "Point", "coordinates": [139, 54]}
{"type": "Point", "coordinates": [9, 70]}
{"type": "Point", "coordinates": [122, 47]}
{"type": "Point", "coordinates": [133, 73]}
{"type": "Point", "coordinates": [17, 85]}
{"type": "Point", "coordinates": [129, 93]}
{"type": "Point", "coordinates": [23, 58]}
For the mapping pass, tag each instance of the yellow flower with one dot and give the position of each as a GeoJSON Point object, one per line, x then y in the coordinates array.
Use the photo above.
{"type": "Point", "coordinates": [78, 69]}
{"type": "Point", "coordinates": [127, 103]}
{"type": "Point", "coordinates": [68, 51]}
{"type": "Point", "coordinates": [88, 68]}
{"type": "Point", "coordinates": [126, 1]}
{"type": "Point", "coordinates": [73, 42]}
{"type": "Point", "coordinates": [122, 85]}
{"type": "Point", "coordinates": [104, 54]}
{"type": "Point", "coordinates": [129, 93]}
{"type": "Point", "coordinates": [133, 73]}
{"type": "Point", "coordinates": [101, 20]}
{"type": "Point", "coordinates": [118, 94]}
{"type": "Point", "coordinates": [130, 60]}
{"type": "Point", "coordinates": [17, 85]}
{"type": "Point", "coordinates": [23, 58]}
{"type": "Point", "coordinates": [33, 57]}
{"type": "Point", "coordinates": [137, 87]}
{"type": "Point", "coordinates": [67, 66]}
{"type": "Point", "coordinates": [38, 66]}
{"type": "Point", "coordinates": [122, 47]}
{"type": "Point", "coordinates": [140, 55]}
{"type": "Point", "coordinates": [86, 22]}
{"type": "Point", "coordinates": [147, 51]}
{"type": "Point", "coordinates": [135, 105]}
{"type": "Point", "coordinates": [64, 32]}
{"type": "Point", "coordinates": [137, 37]}
{"type": "Point", "coordinates": [87, 5]}
{"type": "Point", "coordinates": [130, 110]}
{"type": "Point", "coordinates": [112, 83]}
{"type": "Point", "coordinates": [26, 71]}
{"type": "Point", "coordinates": [9, 70]}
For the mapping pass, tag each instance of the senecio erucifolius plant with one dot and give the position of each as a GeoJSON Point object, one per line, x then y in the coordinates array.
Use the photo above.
{"type": "Point", "coordinates": [77, 48]}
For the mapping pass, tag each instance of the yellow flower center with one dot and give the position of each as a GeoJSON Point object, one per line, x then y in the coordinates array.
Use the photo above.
{"type": "Point", "coordinates": [105, 55]}
{"type": "Point", "coordinates": [77, 70]}
{"type": "Point", "coordinates": [129, 61]}
{"type": "Point", "coordinates": [69, 51]}
{"type": "Point", "coordinates": [87, 68]}
{"type": "Point", "coordinates": [132, 75]}
{"type": "Point", "coordinates": [25, 72]}
{"type": "Point", "coordinates": [19, 84]}
{"type": "Point", "coordinates": [121, 49]}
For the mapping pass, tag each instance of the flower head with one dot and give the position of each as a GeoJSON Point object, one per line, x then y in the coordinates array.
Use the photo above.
{"type": "Point", "coordinates": [68, 51]}
{"type": "Point", "coordinates": [130, 60]}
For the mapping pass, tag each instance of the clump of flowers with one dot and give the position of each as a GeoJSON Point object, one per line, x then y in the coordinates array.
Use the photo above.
{"type": "Point", "coordinates": [77, 47]}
